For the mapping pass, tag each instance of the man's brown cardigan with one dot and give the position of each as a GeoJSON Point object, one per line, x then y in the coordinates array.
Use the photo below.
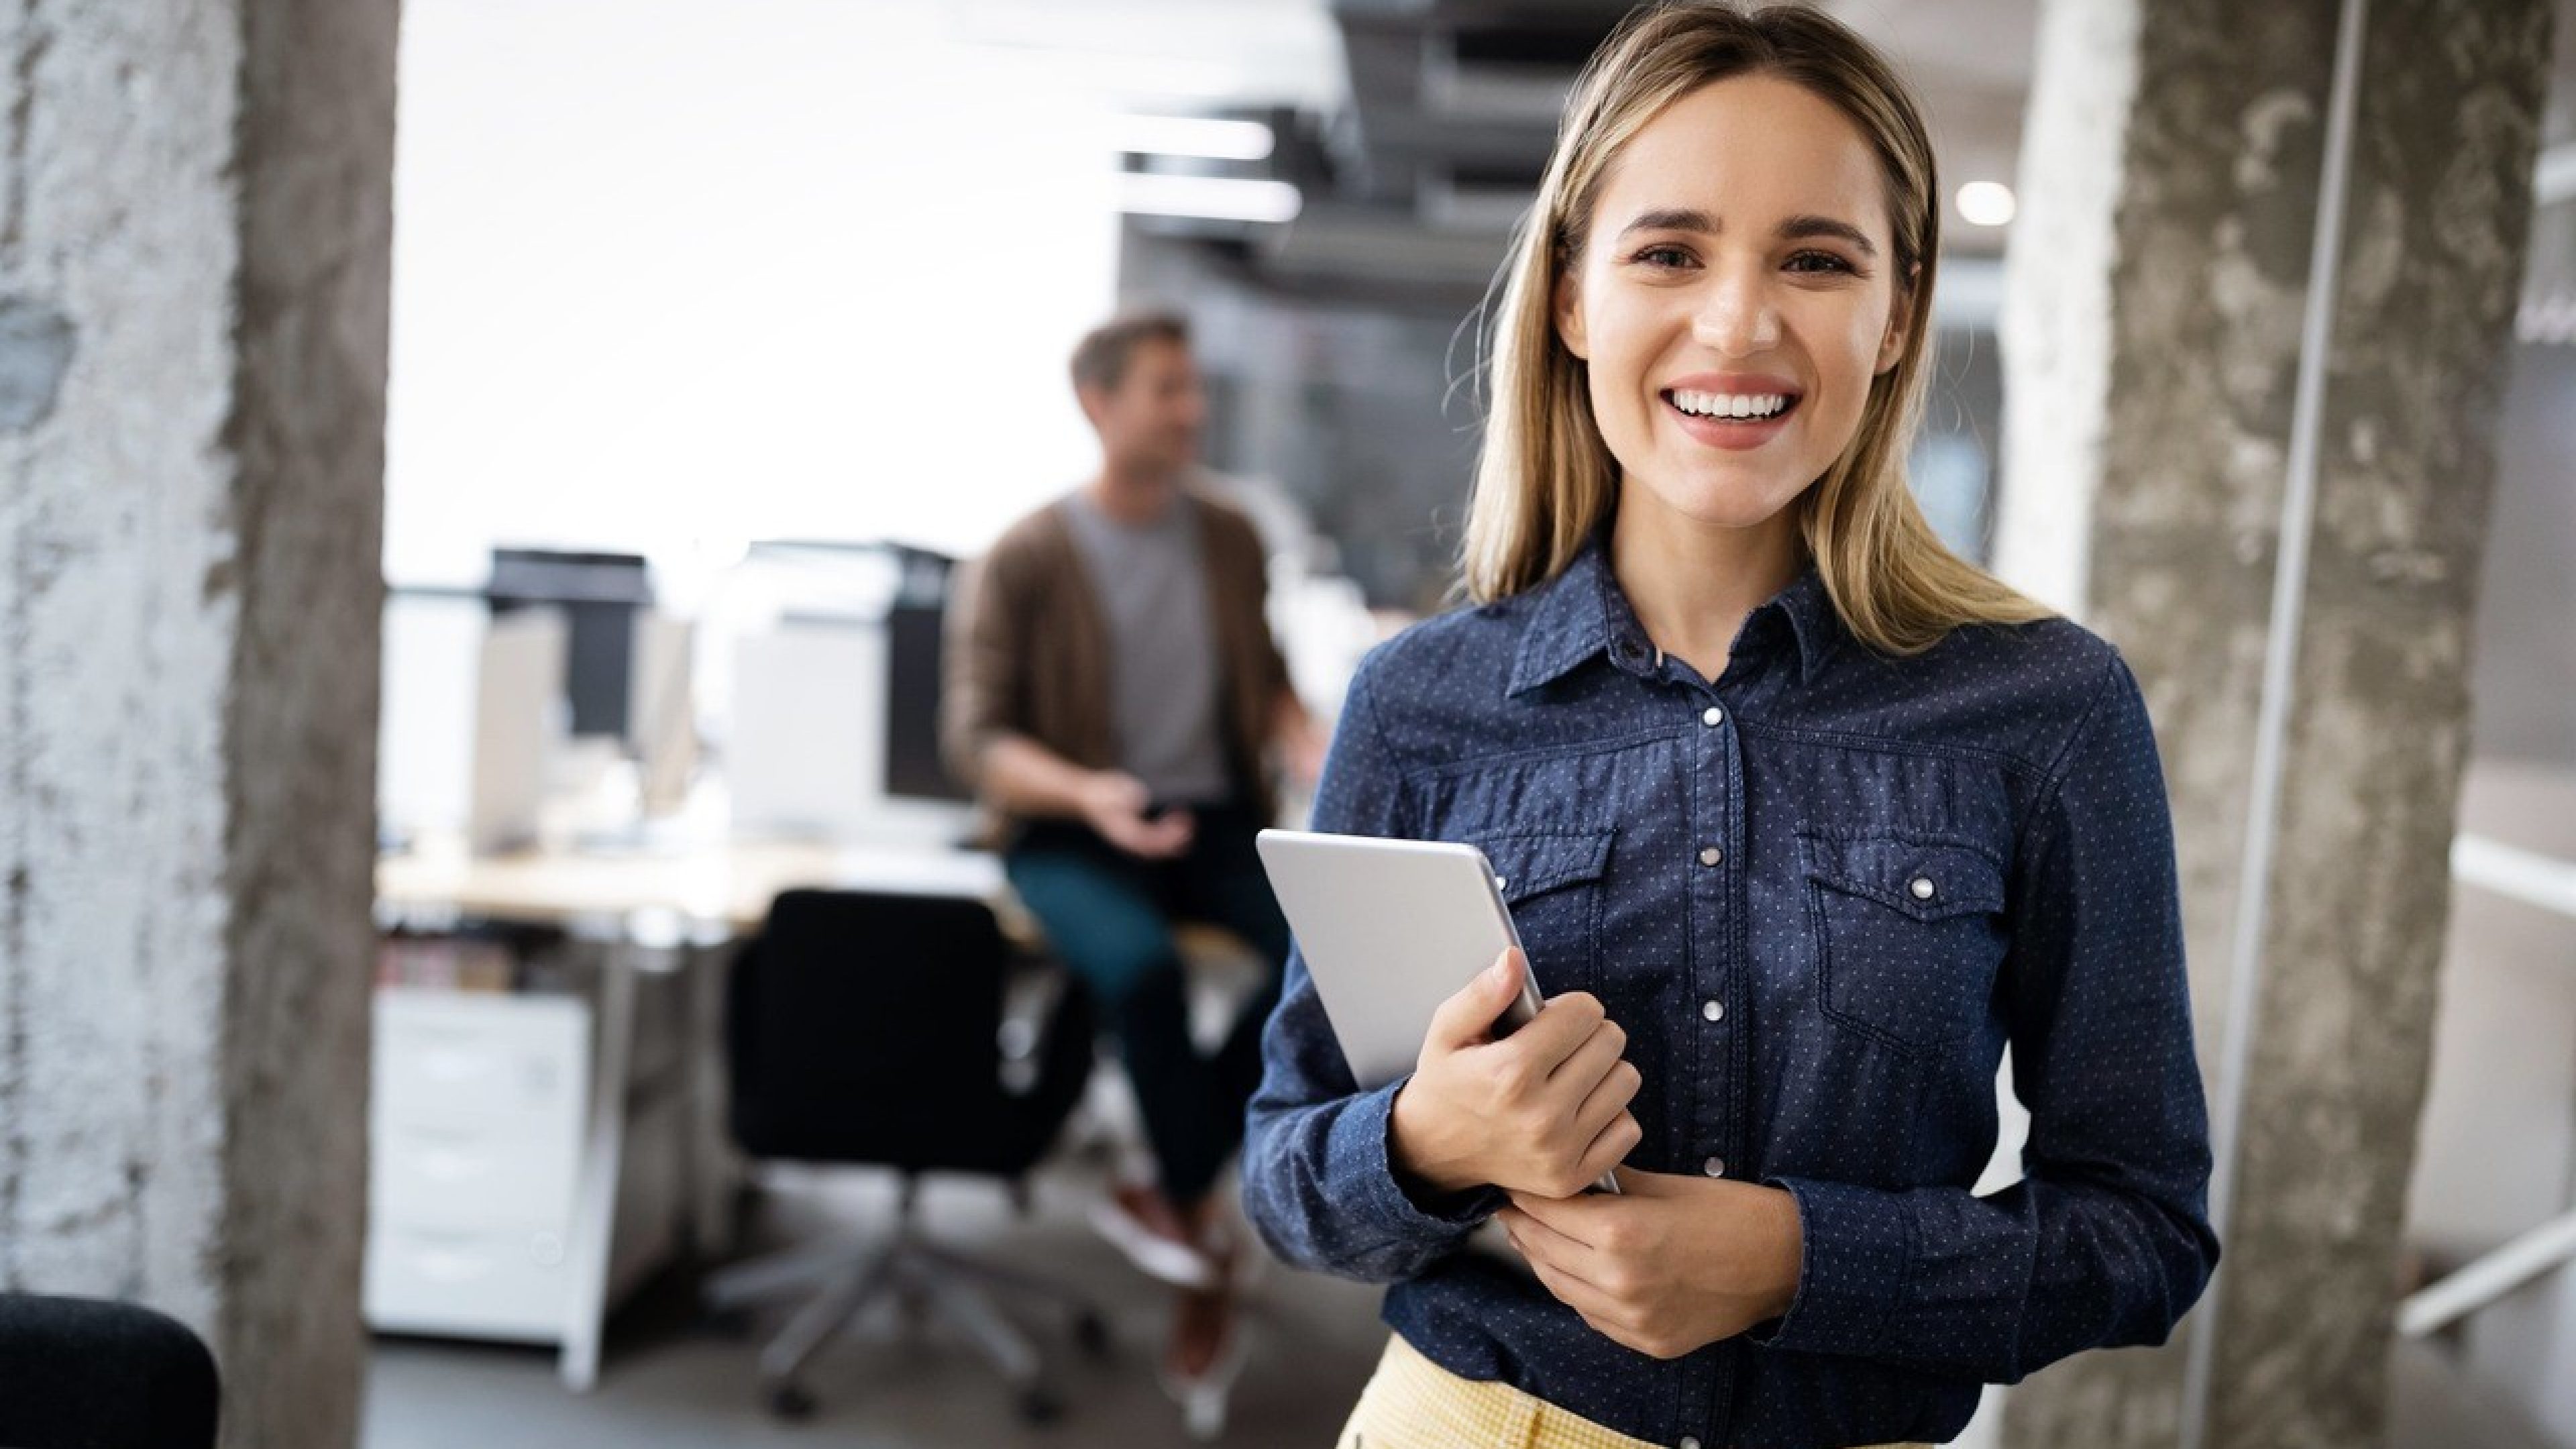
{"type": "Point", "coordinates": [1028, 651]}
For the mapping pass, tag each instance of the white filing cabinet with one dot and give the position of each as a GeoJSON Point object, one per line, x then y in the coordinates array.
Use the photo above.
{"type": "Point", "coordinates": [476, 1136]}
{"type": "Point", "coordinates": [501, 1156]}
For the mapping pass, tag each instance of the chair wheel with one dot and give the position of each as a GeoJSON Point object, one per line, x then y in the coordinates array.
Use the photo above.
{"type": "Point", "coordinates": [1091, 1334]}
{"type": "Point", "coordinates": [1040, 1406]}
{"type": "Point", "coordinates": [787, 1401]}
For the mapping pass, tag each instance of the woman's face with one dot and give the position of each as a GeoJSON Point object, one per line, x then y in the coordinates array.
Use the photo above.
{"type": "Point", "coordinates": [1735, 294]}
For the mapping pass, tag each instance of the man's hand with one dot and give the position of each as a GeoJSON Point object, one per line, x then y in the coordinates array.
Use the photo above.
{"type": "Point", "coordinates": [1302, 748]}
{"type": "Point", "coordinates": [1114, 804]}
{"type": "Point", "coordinates": [1669, 1264]}
{"type": "Point", "coordinates": [1543, 1110]}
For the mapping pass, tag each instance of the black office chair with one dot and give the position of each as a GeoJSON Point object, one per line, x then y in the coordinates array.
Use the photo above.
{"type": "Point", "coordinates": [867, 1029]}
{"type": "Point", "coordinates": [76, 1373]}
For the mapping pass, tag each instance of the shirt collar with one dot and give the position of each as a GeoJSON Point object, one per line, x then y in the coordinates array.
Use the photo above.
{"type": "Point", "coordinates": [1583, 612]}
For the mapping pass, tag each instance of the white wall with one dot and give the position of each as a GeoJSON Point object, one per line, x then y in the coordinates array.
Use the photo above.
{"type": "Point", "coordinates": [670, 274]}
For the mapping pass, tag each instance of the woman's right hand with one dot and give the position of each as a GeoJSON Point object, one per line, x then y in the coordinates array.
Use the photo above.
{"type": "Point", "coordinates": [1543, 1110]}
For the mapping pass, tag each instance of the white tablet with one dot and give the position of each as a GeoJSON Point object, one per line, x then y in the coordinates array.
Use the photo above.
{"type": "Point", "coordinates": [1390, 929]}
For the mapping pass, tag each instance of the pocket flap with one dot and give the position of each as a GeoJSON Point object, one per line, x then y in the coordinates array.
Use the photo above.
{"type": "Point", "coordinates": [1927, 879]}
{"type": "Point", "coordinates": [1536, 862]}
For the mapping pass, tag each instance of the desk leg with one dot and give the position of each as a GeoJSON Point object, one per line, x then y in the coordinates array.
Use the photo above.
{"type": "Point", "coordinates": [595, 1198]}
{"type": "Point", "coordinates": [715, 1168]}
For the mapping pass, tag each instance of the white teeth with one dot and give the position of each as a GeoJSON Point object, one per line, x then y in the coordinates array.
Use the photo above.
{"type": "Point", "coordinates": [1729, 405]}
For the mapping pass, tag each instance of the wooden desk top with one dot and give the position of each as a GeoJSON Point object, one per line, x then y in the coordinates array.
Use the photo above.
{"type": "Point", "coordinates": [730, 884]}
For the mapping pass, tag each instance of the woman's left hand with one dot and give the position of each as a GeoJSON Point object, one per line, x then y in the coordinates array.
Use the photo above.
{"type": "Point", "coordinates": [1668, 1264]}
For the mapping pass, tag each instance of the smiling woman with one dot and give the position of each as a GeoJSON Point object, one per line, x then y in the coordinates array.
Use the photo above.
{"type": "Point", "coordinates": [1744, 192]}
{"type": "Point", "coordinates": [1856, 815]}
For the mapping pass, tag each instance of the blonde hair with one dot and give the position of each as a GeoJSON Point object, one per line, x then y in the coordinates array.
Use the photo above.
{"type": "Point", "coordinates": [1545, 479]}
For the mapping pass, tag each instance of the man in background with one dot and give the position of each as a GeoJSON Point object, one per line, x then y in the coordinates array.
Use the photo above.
{"type": "Point", "coordinates": [1114, 693]}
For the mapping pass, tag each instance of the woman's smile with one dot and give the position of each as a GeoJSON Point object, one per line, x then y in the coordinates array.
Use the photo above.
{"type": "Point", "coordinates": [1731, 410]}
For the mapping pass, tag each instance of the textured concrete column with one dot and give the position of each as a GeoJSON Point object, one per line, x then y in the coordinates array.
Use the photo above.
{"type": "Point", "coordinates": [195, 217]}
{"type": "Point", "coordinates": [2153, 342]}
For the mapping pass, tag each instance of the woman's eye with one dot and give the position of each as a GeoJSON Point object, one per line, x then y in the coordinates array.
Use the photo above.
{"type": "Point", "coordinates": [1664, 257]}
{"type": "Point", "coordinates": [1819, 262]}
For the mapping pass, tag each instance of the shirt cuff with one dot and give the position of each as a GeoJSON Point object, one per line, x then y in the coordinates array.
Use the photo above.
{"type": "Point", "coordinates": [1358, 1145]}
{"type": "Point", "coordinates": [1857, 1255]}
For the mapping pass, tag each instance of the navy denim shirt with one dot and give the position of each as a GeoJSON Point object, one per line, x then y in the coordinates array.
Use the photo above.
{"type": "Point", "coordinates": [1821, 896]}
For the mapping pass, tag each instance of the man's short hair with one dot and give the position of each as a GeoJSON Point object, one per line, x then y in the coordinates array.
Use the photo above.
{"type": "Point", "coordinates": [1100, 359]}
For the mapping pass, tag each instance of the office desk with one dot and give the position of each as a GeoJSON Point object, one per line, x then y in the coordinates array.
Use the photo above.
{"type": "Point", "coordinates": [727, 887]}
{"type": "Point", "coordinates": [655, 915]}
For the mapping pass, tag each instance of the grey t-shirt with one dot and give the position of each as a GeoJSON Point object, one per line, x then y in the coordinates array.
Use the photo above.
{"type": "Point", "coordinates": [1152, 585]}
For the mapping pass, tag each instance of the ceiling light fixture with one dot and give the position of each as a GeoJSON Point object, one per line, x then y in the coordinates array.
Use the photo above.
{"type": "Point", "coordinates": [1986, 203]}
{"type": "Point", "coordinates": [1212, 139]}
{"type": "Point", "coordinates": [1208, 198]}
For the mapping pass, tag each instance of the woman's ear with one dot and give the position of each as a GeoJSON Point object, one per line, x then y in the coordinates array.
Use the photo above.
{"type": "Point", "coordinates": [1900, 322]}
{"type": "Point", "coordinates": [1567, 303]}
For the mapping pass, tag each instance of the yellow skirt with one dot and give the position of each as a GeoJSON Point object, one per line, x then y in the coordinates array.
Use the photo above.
{"type": "Point", "coordinates": [1413, 1403]}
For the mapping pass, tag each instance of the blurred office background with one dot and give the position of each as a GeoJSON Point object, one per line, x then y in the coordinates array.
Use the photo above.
{"type": "Point", "coordinates": [721, 333]}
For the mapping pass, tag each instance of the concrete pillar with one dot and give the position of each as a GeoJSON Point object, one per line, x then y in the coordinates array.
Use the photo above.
{"type": "Point", "coordinates": [195, 226]}
{"type": "Point", "coordinates": [2158, 293]}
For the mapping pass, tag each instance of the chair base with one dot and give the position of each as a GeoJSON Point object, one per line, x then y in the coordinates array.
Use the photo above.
{"type": "Point", "coordinates": [845, 1281]}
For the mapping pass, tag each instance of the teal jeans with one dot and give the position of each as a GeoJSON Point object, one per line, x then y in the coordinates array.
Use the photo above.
{"type": "Point", "coordinates": [1109, 917]}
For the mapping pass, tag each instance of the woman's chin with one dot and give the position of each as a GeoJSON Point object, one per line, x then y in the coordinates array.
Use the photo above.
{"type": "Point", "coordinates": [1730, 506]}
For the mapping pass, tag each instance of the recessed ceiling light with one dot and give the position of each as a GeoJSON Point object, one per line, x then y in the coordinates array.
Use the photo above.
{"type": "Point", "coordinates": [1986, 203]}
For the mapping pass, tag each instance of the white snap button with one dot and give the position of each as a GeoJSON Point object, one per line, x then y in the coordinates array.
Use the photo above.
{"type": "Point", "coordinates": [1502, 882]}
{"type": "Point", "coordinates": [1713, 1009]}
{"type": "Point", "coordinates": [1922, 887]}
{"type": "Point", "coordinates": [1714, 1167]}
{"type": "Point", "coordinates": [1711, 855]}
{"type": "Point", "coordinates": [1712, 716]}
{"type": "Point", "coordinates": [1687, 1443]}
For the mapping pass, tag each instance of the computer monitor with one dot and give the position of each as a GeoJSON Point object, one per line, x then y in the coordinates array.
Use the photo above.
{"type": "Point", "coordinates": [433, 652]}
{"type": "Point", "coordinates": [664, 714]}
{"type": "Point", "coordinates": [833, 696]}
{"type": "Point", "coordinates": [518, 689]}
{"type": "Point", "coordinates": [914, 624]}
{"type": "Point", "coordinates": [599, 595]}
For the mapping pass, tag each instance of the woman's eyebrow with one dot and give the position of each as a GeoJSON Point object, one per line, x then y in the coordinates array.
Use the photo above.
{"type": "Point", "coordinates": [1796, 228]}
{"type": "Point", "coordinates": [1671, 220]}
{"type": "Point", "coordinates": [1800, 228]}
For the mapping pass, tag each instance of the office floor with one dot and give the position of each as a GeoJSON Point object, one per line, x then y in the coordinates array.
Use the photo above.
{"type": "Point", "coordinates": [670, 1379]}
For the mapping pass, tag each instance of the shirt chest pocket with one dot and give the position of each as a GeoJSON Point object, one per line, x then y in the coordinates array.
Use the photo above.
{"type": "Point", "coordinates": [1552, 882]}
{"type": "Point", "coordinates": [1908, 934]}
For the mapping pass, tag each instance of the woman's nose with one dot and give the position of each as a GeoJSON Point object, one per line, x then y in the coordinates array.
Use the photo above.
{"type": "Point", "coordinates": [1737, 318]}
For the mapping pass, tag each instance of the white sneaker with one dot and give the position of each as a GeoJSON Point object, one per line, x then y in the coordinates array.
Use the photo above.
{"type": "Point", "coordinates": [1205, 1398]}
{"type": "Point", "coordinates": [1155, 1255]}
